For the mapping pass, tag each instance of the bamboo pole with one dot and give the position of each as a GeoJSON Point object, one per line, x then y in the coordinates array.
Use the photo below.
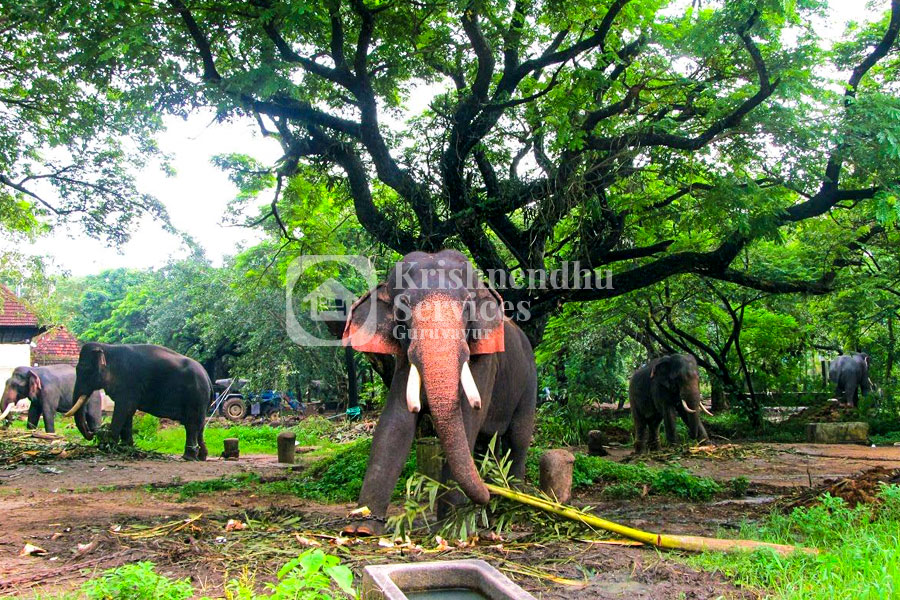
{"type": "Point", "coordinates": [660, 540]}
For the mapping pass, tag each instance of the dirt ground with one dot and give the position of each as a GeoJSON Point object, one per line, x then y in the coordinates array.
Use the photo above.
{"type": "Point", "coordinates": [96, 513]}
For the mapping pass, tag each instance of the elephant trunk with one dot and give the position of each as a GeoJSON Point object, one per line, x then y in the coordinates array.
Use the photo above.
{"type": "Point", "coordinates": [7, 407]}
{"type": "Point", "coordinates": [81, 424]}
{"type": "Point", "coordinates": [10, 397]}
{"type": "Point", "coordinates": [444, 368]}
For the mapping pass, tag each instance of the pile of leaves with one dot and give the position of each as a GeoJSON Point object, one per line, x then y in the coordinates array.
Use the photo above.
{"type": "Point", "coordinates": [863, 488]}
{"type": "Point", "coordinates": [18, 447]}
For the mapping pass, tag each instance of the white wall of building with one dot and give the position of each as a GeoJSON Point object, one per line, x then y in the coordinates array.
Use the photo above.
{"type": "Point", "coordinates": [12, 356]}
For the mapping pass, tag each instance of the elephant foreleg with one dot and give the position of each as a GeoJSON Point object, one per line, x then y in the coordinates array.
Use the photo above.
{"type": "Point", "coordinates": [121, 419]}
{"type": "Point", "coordinates": [640, 433]}
{"type": "Point", "coordinates": [653, 433]}
{"type": "Point", "coordinates": [392, 440]}
{"type": "Point", "coordinates": [49, 415]}
{"type": "Point", "coordinates": [34, 415]}
{"type": "Point", "coordinates": [671, 431]}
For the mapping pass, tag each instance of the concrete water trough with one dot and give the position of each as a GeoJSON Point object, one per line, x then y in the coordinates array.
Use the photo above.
{"type": "Point", "coordinates": [445, 580]}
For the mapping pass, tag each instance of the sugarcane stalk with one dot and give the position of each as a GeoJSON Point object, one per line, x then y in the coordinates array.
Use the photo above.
{"type": "Point", "coordinates": [660, 540]}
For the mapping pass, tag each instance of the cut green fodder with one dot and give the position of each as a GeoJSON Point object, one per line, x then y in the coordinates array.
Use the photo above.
{"type": "Point", "coordinates": [499, 515]}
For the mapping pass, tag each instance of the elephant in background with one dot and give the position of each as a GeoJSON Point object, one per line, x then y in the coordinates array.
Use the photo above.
{"type": "Point", "coordinates": [153, 379]}
{"type": "Point", "coordinates": [50, 390]}
{"type": "Point", "coordinates": [659, 390]}
{"type": "Point", "coordinates": [448, 335]}
{"type": "Point", "coordinates": [850, 373]}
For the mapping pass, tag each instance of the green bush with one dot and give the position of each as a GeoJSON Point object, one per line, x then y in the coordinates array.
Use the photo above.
{"type": "Point", "coordinates": [739, 486]}
{"type": "Point", "coordinates": [313, 575]}
{"type": "Point", "coordinates": [137, 581]}
{"type": "Point", "coordinates": [621, 491]}
{"type": "Point", "coordinates": [675, 481]}
{"type": "Point", "coordinates": [144, 427]}
{"type": "Point", "coordinates": [310, 576]}
{"type": "Point", "coordinates": [339, 477]}
{"type": "Point", "coordinates": [558, 425]}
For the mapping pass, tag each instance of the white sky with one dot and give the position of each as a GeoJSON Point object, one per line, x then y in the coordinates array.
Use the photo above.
{"type": "Point", "coordinates": [198, 195]}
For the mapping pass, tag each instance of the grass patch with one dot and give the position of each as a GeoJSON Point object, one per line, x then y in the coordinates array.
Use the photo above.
{"type": "Point", "coordinates": [674, 481]}
{"type": "Point", "coordinates": [188, 490]}
{"type": "Point", "coordinates": [860, 558]}
{"type": "Point", "coordinates": [337, 478]}
{"type": "Point", "coordinates": [259, 439]}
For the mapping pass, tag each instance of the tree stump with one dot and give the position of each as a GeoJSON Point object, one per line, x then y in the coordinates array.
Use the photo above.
{"type": "Point", "coordinates": [596, 439]}
{"type": "Point", "coordinates": [232, 449]}
{"type": "Point", "coordinates": [286, 443]}
{"type": "Point", "coordinates": [429, 457]}
{"type": "Point", "coordinates": [556, 474]}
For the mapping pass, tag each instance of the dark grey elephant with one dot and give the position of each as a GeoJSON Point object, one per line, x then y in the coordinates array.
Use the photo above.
{"type": "Point", "coordinates": [448, 335]}
{"type": "Point", "coordinates": [152, 379]}
{"type": "Point", "coordinates": [659, 390]}
{"type": "Point", "coordinates": [49, 389]}
{"type": "Point", "coordinates": [850, 373]}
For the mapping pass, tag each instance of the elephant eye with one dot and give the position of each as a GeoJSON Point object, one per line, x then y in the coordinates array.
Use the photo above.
{"type": "Point", "coordinates": [402, 309]}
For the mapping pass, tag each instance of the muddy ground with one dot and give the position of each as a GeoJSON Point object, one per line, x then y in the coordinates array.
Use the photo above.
{"type": "Point", "coordinates": [96, 513]}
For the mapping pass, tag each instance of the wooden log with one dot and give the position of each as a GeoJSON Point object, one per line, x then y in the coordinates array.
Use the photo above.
{"type": "Point", "coordinates": [286, 444]}
{"type": "Point", "coordinates": [556, 474]}
{"type": "Point", "coordinates": [232, 449]}
{"type": "Point", "coordinates": [429, 457]}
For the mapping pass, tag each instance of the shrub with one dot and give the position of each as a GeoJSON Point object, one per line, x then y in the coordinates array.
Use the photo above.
{"type": "Point", "coordinates": [676, 481]}
{"type": "Point", "coordinates": [339, 477]}
{"type": "Point", "coordinates": [144, 427]}
{"type": "Point", "coordinates": [137, 581]}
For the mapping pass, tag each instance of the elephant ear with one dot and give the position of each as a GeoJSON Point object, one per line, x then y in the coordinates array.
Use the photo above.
{"type": "Point", "coordinates": [486, 321]}
{"type": "Point", "coordinates": [34, 384]}
{"type": "Point", "coordinates": [370, 324]}
{"type": "Point", "coordinates": [662, 369]}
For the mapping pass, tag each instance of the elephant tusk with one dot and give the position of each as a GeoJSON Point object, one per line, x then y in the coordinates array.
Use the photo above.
{"type": "Point", "coordinates": [686, 407]}
{"type": "Point", "coordinates": [413, 389]}
{"type": "Point", "coordinates": [469, 387]}
{"type": "Point", "coordinates": [706, 410]}
{"type": "Point", "coordinates": [77, 406]}
{"type": "Point", "coordinates": [6, 411]}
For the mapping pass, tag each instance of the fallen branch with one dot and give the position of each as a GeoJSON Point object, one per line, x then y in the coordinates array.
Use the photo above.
{"type": "Point", "coordinates": [660, 540]}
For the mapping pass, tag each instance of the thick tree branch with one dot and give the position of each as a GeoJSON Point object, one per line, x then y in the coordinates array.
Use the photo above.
{"type": "Point", "coordinates": [209, 64]}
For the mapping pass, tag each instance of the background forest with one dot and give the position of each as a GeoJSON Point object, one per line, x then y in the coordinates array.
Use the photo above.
{"type": "Point", "coordinates": [733, 166]}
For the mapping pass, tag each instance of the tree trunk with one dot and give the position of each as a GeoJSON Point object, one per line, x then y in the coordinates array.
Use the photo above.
{"type": "Point", "coordinates": [889, 367]}
{"type": "Point", "coordinates": [717, 393]}
{"type": "Point", "coordinates": [352, 387]}
{"type": "Point", "coordinates": [753, 407]}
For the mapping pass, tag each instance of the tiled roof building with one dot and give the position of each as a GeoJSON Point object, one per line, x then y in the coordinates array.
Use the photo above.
{"type": "Point", "coordinates": [56, 346]}
{"type": "Point", "coordinates": [18, 324]}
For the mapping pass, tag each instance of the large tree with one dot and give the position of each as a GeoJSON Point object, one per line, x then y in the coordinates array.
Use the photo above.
{"type": "Point", "coordinates": [648, 137]}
